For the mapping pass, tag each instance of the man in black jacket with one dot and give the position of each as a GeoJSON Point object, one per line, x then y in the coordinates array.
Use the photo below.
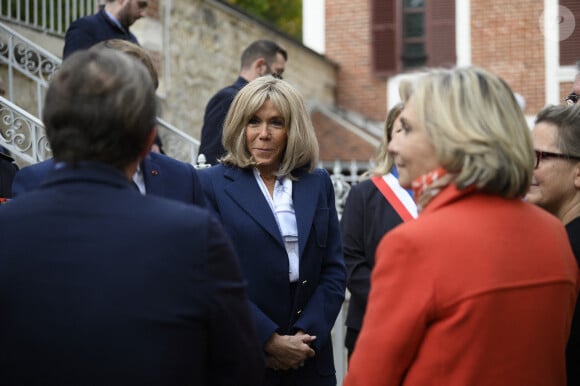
{"type": "Point", "coordinates": [111, 22]}
{"type": "Point", "coordinates": [100, 285]}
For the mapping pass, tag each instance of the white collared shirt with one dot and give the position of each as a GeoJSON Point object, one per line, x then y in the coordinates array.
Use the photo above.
{"type": "Point", "coordinates": [114, 19]}
{"type": "Point", "coordinates": [139, 180]}
{"type": "Point", "coordinates": [282, 207]}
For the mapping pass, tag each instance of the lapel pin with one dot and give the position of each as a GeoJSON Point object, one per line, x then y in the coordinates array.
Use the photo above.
{"type": "Point", "coordinates": [154, 172]}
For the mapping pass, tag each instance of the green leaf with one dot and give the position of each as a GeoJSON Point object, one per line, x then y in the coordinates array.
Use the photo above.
{"type": "Point", "coordinates": [286, 15]}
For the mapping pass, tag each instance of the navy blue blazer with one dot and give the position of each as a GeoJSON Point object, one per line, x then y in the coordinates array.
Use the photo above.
{"type": "Point", "coordinates": [8, 170]}
{"type": "Point", "coordinates": [234, 195]}
{"type": "Point", "coordinates": [100, 285]}
{"type": "Point", "coordinates": [573, 347]}
{"type": "Point", "coordinates": [163, 176]}
{"type": "Point", "coordinates": [87, 31]}
{"type": "Point", "coordinates": [213, 121]}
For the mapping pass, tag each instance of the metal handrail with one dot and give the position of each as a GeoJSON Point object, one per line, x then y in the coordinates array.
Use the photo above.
{"type": "Point", "coordinates": [23, 56]}
{"type": "Point", "coordinates": [22, 133]}
{"type": "Point", "coordinates": [49, 16]}
{"type": "Point", "coordinates": [186, 148]}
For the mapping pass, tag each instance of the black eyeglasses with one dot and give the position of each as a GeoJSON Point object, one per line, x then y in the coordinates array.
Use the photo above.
{"type": "Point", "coordinates": [540, 155]}
{"type": "Point", "coordinates": [572, 99]}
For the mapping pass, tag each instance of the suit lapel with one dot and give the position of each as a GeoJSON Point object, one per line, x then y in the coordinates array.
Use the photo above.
{"type": "Point", "coordinates": [244, 191]}
{"type": "Point", "coordinates": [305, 198]}
{"type": "Point", "coordinates": [152, 177]}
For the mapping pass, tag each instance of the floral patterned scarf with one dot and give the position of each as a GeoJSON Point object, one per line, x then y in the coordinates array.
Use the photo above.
{"type": "Point", "coordinates": [429, 185]}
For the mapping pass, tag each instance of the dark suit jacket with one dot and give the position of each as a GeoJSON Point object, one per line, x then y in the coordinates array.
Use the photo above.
{"type": "Point", "coordinates": [163, 176]}
{"type": "Point", "coordinates": [367, 216]}
{"type": "Point", "coordinates": [237, 200]}
{"type": "Point", "coordinates": [213, 121]}
{"type": "Point", "coordinates": [8, 170]}
{"type": "Point", "coordinates": [100, 285]}
{"type": "Point", "coordinates": [573, 347]}
{"type": "Point", "coordinates": [87, 31]}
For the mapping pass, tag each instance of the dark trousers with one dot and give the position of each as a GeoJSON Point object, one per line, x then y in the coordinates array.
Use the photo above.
{"type": "Point", "coordinates": [350, 340]}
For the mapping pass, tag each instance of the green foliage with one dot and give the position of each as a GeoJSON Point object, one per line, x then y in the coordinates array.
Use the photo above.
{"type": "Point", "coordinates": [286, 15]}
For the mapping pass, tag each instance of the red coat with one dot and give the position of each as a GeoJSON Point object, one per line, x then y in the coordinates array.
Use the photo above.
{"type": "Point", "coordinates": [479, 290]}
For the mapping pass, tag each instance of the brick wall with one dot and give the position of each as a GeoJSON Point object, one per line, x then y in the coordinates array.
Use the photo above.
{"type": "Point", "coordinates": [348, 42]}
{"type": "Point", "coordinates": [507, 40]}
{"type": "Point", "coordinates": [565, 88]}
{"type": "Point", "coordinates": [338, 143]}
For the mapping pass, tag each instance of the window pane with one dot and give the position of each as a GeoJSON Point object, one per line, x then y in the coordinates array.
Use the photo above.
{"type": "Point", "coordinates": [414, 4]}
{"type": "Point", "coordinates": [414, 55]}
{"type": "Point", "coordinates": [415, 49]}
{"type": "Point", "coordinates": [414, 25]}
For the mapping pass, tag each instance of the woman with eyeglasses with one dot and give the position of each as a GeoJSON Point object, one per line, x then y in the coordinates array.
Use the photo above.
{"type": "Point", "coordinates": [556, 188]}
{"type": "Point", "coordinates": [480, 289]}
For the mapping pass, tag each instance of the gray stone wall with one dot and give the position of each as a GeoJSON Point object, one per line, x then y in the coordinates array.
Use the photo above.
{"type": "Point", "coordinates": [197, 45]}
{"type": "Point", "coordinates": [202, 44]}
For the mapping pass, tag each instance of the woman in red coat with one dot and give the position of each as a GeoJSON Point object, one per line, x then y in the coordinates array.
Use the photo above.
{"type": "Point", "coordinates": [480, 289]}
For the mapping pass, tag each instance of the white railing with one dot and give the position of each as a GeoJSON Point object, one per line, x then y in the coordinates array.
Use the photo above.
{"type": "Point", "coordinates": [177, 143]}
{"type": "Point", "coordinates": [343, 176]}
{"type": "Point", "coordinates": [50, 16]}
{"type": "Point", "coordinates": [22, 134]}
{"type": "Point", "coordinates": [22, 56]}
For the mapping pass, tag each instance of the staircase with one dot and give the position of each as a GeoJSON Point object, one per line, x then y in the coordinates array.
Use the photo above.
{"type": "Point", "coordinates": [27, 68]}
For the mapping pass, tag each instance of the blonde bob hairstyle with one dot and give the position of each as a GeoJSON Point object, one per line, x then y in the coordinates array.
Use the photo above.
{"type": "Point", "coordinates": [478, 129]}
{"type": "Point", "coordinates": [301, 144]}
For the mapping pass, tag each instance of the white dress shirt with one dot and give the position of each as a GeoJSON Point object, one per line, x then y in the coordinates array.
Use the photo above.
{"type": "Point", "coordinates": [282, 207]}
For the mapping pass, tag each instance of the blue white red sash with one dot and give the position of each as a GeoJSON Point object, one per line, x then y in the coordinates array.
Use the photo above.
{"type": "Point", "coordinates": [399, 198]}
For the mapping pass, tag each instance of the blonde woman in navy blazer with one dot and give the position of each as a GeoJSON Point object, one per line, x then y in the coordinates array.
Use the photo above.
{"type": "Point", "coordinates": [296, 282]}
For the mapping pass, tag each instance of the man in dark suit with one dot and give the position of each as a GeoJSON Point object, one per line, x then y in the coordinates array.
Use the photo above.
{"type": "Point", "coordinates": [111, 22]}
{"type": "Point", "coordinates": [262, 57]}
{"type": "Point", "coordinates": [100, 285]}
